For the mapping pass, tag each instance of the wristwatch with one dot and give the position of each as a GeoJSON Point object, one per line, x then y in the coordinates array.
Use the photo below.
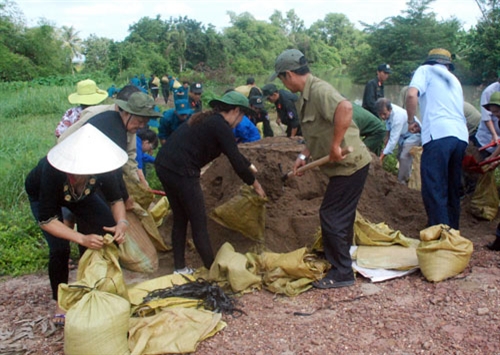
{"type": "Point", "coordinates": [302, 157]}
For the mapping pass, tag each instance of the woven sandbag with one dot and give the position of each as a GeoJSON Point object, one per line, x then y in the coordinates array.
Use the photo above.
{"type": "Point", "coordinates": [138, 252]}
{"type": "Point", "coordinates": [140, 193]}
{"type": "Point", "coordinates": [484, 202]}
{"type": "Point", "coordinates": [415, 182]}
{"type": "Point", "coordinates": [442, 252]}
{"type": "Point", "coordinates": [175, 330]}
{"type": "Point", "coordinates": [98, 324]}
{"type": "Point", "coordinates": [160, 210]}
{"type": "Point", "coordinates": [97, 269]}
{"type": "Point", "coordinates": [244, 213]}
{"type": "Point", "coordinates": [149, 225]}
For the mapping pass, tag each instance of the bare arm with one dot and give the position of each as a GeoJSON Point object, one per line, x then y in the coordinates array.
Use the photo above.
{"type": "Point", "coordinates": [120, 215]}
{"type": "Point", "coordinates": [60, 230]}
{"type": "Point", "coordinates": [411, 108]}
{"type": "Point", "coordinates": [341, 122]}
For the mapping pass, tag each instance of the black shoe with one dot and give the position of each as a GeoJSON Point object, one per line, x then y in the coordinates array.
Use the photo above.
{"type": "Point", "coordinates": [495, 245]}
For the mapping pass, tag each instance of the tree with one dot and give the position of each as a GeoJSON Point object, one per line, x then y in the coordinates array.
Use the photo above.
{"type": "Point", "coordinates": [483, 46]}
{"type": "Point", "coordinates": [72, 42]}
{"type": "Point", "coordinates": [97, 52]}
{"type": "Point", "coordinates": [404, 41]}
{"type": "Point", "coordinates": [335, 30]}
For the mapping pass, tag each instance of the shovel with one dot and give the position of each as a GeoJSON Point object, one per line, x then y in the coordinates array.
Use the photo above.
{"type": "Point", "coordinates": [470, 164]}
{"type": "Point", "coordinates": [319, 162]}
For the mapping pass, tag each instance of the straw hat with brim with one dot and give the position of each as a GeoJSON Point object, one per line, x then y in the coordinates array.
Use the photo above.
{"type": "Point", "coordinates": [494, 100]}
{"type": "Point", "coordinates": [139, 104]}
{"type": "Point", "coordinates": [88, 151]}
{"type": "Point", "coordinates": [87, 93]}
{"type": "Point", "coordinates": [234, 98]}
{"type": "Point", "coordinates": [439, 56]}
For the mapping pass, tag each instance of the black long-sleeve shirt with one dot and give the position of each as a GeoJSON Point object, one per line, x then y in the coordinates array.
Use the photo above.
{"type": "Point", "coordinates": [373, 92]}
{"type": "Point", "coordinates": [192, 146]}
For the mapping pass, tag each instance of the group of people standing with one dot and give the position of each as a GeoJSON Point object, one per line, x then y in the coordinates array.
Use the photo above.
{"type": "Point", "coordinates": [83, 174]}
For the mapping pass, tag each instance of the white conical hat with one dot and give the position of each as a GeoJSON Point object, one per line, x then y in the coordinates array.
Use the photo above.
{"type": "Point", "coordinates": [88, 151]}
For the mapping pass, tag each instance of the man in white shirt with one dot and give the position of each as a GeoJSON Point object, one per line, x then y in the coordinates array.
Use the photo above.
{"type": "Point", "coordinates": [396, 121]}
{"type": "Point", "coordinates": [444, 135]}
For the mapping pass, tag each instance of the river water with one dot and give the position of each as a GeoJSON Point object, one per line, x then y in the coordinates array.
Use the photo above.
{"type": "Point", "coordinates": [354, 92]}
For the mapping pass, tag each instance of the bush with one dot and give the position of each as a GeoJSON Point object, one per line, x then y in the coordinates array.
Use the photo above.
{"type": "Point", "coordinates": [22, 246]}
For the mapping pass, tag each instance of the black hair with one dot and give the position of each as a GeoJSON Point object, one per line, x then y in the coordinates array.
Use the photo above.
{"type": "Point", "coordinates": [147, 134]}
{"type": "Point", "coordinates": [250, 81]}
{"type": "Point", "coordinates": [127, 91]}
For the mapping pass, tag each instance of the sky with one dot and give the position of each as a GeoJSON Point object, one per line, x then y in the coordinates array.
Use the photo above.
{"type": "Point", "coordinates": [112, 18]}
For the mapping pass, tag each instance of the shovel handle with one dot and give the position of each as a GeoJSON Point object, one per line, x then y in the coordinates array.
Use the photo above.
{"type": "Point", "coordinates": [489, 145]}
{"type": "Point", "coordinates": [489, 161]}
{"type": "Point", "coordinates": [158, 192]}
{"type": "Point", "coordinates": [321, 161]}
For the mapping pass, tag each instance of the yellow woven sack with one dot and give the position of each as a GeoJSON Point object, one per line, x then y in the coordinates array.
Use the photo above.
{"type": "Point", "coordinates": [97, 324]}
{"type": "Point", "coordinates": [442, 252]}
{"type": "Point", "coordinates": [138, 252]}
{"type": "Point", "coordinates": [140, 193]}
{"type": "Point", "coordinates": [99, 269]}
{"type": "Point", "coordinates": [175, 330]}
{"type": "Point", "coordinates": [484, 202]}
{"type": "Point", "coordinates": [415, 181]}
{"type": "Point", "coordinates": [150, 226]}
{"type": "Point", "coordinates": [379, 234]}
{"type": "Point", "coordinates": [160, 210]}
{"type": "Point", "coordinates": [244, 213]}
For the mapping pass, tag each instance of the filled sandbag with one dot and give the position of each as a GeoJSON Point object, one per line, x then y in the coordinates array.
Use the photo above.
{"type": "Point", "coordinates": [484, 201]}
{"type": "Point", "coordinates": [138, 252]}
{"type": "Point", "coordinates": [244, 213]}
{"type": "Point", "coordinates": [415, 181]}
{"type": "Point", "coordinates": [442, 252]}
{"type": "Point", "coordinates": [97, 324]}
{"type": "Point", "coordinates": [97, 269]}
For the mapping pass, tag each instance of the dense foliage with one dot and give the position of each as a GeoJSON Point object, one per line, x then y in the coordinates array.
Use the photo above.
{"type": "Point", "coordinates": [248, 46]}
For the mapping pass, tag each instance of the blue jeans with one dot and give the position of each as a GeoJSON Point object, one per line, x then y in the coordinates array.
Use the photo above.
{"type": "Point", "coordinates": [441, 173]}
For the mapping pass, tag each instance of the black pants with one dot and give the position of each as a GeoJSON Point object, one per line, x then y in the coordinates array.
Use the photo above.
{"type": "Point", "coordinates": [188, 205]}
{"type": "Point", "coordinates": [337, 215]}
{"type": "Point", "coordinates": [91, 214]}
{"type": "Point", "coordinates": [165, 93]}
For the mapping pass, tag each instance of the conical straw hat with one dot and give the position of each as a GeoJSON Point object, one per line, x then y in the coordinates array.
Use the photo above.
{"type": "Point", "coordinates": [87, 152]}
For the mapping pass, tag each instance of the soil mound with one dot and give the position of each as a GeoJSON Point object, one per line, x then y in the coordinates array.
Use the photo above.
{"type": "Point", "coordinates": [292, 211]}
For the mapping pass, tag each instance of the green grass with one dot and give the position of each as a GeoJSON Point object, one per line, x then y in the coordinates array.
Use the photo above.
{"type": "Point", "coordinates": [28, 118]}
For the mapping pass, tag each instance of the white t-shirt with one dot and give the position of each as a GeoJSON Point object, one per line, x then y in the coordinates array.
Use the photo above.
{"type": "Point", "coordinates": [397, 125]}
{"type": "Point", "coordinates": [441, 103]}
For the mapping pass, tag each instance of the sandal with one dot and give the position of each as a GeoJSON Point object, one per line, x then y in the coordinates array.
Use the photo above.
{"type": "Point", "coordinates": [59, 319]}
{"type": "Point", "coordinates": [330, 283]}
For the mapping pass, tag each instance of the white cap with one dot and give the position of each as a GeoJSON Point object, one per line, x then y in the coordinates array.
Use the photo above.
{"type": "Point", "coordinates": [87, 151]}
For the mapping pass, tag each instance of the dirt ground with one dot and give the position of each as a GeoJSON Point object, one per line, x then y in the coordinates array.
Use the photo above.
{"type": "Point", "coordinates": [408, 315]}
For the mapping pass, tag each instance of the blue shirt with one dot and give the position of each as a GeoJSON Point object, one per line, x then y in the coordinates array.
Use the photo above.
{"type": "Point", "coordinates": [141, 157]}
{"type": "Point", "coordinates": [169, 123]}
{"type": "Point", "coordinates": [246, 131]}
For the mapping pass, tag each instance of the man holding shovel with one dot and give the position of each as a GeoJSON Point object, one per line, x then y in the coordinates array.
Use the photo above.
{"type": "Point", "coordinates": [328, 129]}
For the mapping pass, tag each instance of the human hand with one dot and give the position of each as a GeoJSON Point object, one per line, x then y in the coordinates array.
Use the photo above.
{"type": "Point", "coordinates": [414, 128]}
{"type": "Point", "coordinates": [92, 241]}
{"type": "Point", "coordinates": [297, 164]}
{"type": "Point", "coordinates": [118, 231]}
{"type": "Point", "coordinates": [258, 189]}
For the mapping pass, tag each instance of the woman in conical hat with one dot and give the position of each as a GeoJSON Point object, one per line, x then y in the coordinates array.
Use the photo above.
{"type": "Point", "coordinates": [68, 177]}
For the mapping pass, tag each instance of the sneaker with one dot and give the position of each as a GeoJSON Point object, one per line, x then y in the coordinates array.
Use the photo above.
{"type": "Point", "coordinates": [185, 271]}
